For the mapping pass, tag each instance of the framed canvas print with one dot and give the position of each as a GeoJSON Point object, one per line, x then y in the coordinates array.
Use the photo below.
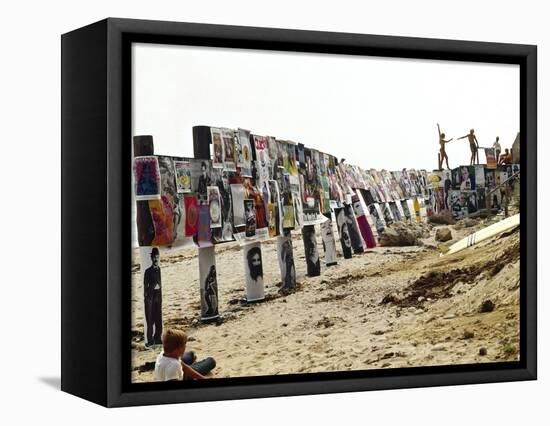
{"type": "Point", "coordinates": [254, 212]}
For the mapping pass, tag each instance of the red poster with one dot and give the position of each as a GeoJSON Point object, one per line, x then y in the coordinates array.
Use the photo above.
{"type": "Point", "coordinates": [191, 215]}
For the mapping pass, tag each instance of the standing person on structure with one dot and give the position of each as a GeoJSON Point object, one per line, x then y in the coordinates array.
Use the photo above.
{"type": "Point", "coordinates": [442, 152]}
{"type": "Point", "coordinates": [474, 146]}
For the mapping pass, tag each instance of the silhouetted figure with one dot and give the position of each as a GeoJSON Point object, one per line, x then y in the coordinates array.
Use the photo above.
{"type": "Point", "coordinates": [496, 147]}
{"type": "Point", "coordinates": [474, 146]}
{"type": "Point", "coordinates": [442, 152]}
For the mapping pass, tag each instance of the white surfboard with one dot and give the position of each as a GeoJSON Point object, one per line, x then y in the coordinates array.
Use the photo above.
{"type": "Point", "coordinates": [483, 234]}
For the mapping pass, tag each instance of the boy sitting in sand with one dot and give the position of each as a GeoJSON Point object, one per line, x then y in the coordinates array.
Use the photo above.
{"type": "Point", "coordinates": [173, 363]}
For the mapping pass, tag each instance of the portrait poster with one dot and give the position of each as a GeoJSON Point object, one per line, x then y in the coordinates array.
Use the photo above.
{"type": "Point", "coordinates": [312, 253]}
{"type": "Point", "coordinates": [353, 229]}
{"type": "Point", "coordinates": [237, 201]}
{"type": "Point", "coordinates": [254, 273]}
{"type": "Point", "coordinates": [151, 279]}
{"type": "Point", "coordinates": [479, 176]}
{"type": "Point", "coordinates": [343, 232]}
{"type": "Point", "coordinates": [388, 216]}
{"type": "Point", "coordinates": [217, 148]}
{"type": "Point", "coordinates": [225, 232]}
{"type": "Point", "coordinates": [285, 255]}
{"type": "Point", "coordinates": [214, 204]}
{"type": "Point", "coordinates": [146, 178]}
{"type": "Point", "coordinates": [201, 178]}
{"type": "Point", "coordinates": [250, 217]}
{"type": "Point", "coordinates": [208, 283]}
{"type": "Point", "coordinates": [229, 152]}
{"type": "Point", "coordinates": [376, 215]}
{"type": "Point", "coordinates": [459, 207]}
{"type": "Point", "coordinates": [329, 242]}
{"type": "Point", "coordinates": [491, 158]}
{"type": "Point", "coordinates": [191, 215]}
{"type": "Point", "coordinates": [183, 176]}
{"type": "Point", "coordinates": [244, 152]}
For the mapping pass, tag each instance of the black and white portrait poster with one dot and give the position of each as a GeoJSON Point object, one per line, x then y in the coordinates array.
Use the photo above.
{"type": "Point", "coordinates": [249, 217]}
{"type": "Point", "coordinates": [285, 253]}
{"type": "Point", "coordinates": [229, 153]}
{"type": "Point", "coordinates": [208, 283]}
{"type": "Point", "coordinates": [353, 229]}
{"type": "Point", "coordinates": [388, 216]}
{"type": "Point", "coordinates": [152, 295]}
{"type": "Point", "coordinates": [244, 152]}
{"type": "Point", "coordinates": [214, 203]}
{"type": "Point", "coordinates": [376, 215]}
{"type": "Point", "coordinates": [329, 243]}
{"type": "Point", "coordinates": [237, 198]}
{"type": "Point", "coordinates": [312, 254]}
{"type": "Point", "coordinates": [217, 148]}
{"type": "Point", "coordinates": [343, 231]}
{"type": "Point", "coordinates": [253, 269]}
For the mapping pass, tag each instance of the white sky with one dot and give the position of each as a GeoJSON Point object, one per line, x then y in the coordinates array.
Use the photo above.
{"type": "Point", "coordinates": [375, 112]}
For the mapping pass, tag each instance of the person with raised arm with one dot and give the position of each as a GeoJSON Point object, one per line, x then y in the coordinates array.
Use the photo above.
{"type": "Point", "coordinates": [474, 146]}
{"type": "Point", "coordinates": [442, 152]}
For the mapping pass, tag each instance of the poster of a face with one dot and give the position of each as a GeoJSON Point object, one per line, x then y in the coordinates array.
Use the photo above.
{"type": "Point", "coordinates": [254, 272]}
{"type": "Point", "coordinates": [214, 203]}
{"type": "Point", "coordinates": [388, 217]}
{"type": "Point", "coordinates": [152, 295]}
{"type": "Point", "coordinates": [459, 207]}
{"type": "Point", "coordinates": [285, 255]}
{"type": "Point", "coordinates": [312, 254]}
{"type": "Point", "coordinates": [217, 148]}
{"type": "Point", "coordinates": [208, 284]}
{"type": "Point", "coordinates": [467, 178]}
{"type": "Point", "coordinates": [353, 229]}
{"type": "Point", "coordinates": [201, 179]}
{"type": "Point", "coordinates": [237, 201]}
{"type": "Point", "coordinates": [343, 231]}
{"type": "Point", "coordinates": [245, 153]}
{"type": "Point", "coordinates": [377, 218]}
{"type": "Point", "coordinates": [225, 232]}
{"type": "Point", "coordinates": [250, 218]}
{"type": "Point", "coordinates": [470, 198]}
{"type": "Point", "coordinates": [183, 176]}
{"type": "Point", "coordinates": [147, 178]}
{"type": "Point", "coordinates": [229, 153]}
{"type": "Point", "coordinates": [169, 192]}
{"type": "Point", "coordinates": [329, 242]}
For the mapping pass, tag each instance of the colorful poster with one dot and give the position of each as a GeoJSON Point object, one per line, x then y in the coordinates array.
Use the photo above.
{"type": "Point", "coordinates": [168, 190]}
{"type": "Point", "coordinates": [272, 219]}
{"type": "Point", "coordinates": [183, 176]}
{"type": "Point", "coordinates": [204, 231]}
{"type": "Point", "coordinates": [312, 254]}
{"type": "Point", "coordinates": [250, 218]}
{"type": "Point", "coordinates": [162, 214]}
{"type": "Point", "coordinates": [262, 159]}
{"type": "Point", "coordinates": [491, 158]}
{"type": "Point", "coordinates": [364, 227]}
{"type": "Point", "coordinates": [285, 254]}
{"type": "Point", "coordinates": [146, 178]}
{"type": "Point", "coordinates": [191, 215]}
{"type": "Point", "coordinates": [254, 272]}
{"type": "Point", "coordinates": [229, 152]}
{"type": "Point", "coordinates": [208, 283]}
{"type": "Point", "coordinates": [217, 148]}
{"type": "Point", "coordinates": [244, 152]}
{"type": "Point", "coordinates": [152, 295]}
{"type": "Point", "coordinates": [214, 203]}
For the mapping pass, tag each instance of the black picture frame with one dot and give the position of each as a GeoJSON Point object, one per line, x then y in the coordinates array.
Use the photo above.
{"type": "Point", "coordinates": [96, 161]}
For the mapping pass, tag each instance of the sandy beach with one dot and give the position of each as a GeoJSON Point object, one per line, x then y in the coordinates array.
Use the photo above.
{"type": "Point", "coordinates": [388, 307]}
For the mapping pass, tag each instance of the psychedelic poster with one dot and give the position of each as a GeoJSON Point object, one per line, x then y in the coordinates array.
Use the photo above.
{"type": "Point", "coordinates": [183, 176]}
{"type": "Point", "coordinates": [191, 215]}
{"type": "Point", "coordinates": [162, 215]}
{"type": "Point", "coordinates": [204, 231]}
{"type": "Point", "coordinates": [147, 178]}
{"type": "Point", "coordinates": [217, 148]}
{"type": "Point", "coordinates": [169, 192]}
{"type": "Point", "coordinates": [214, 204]}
